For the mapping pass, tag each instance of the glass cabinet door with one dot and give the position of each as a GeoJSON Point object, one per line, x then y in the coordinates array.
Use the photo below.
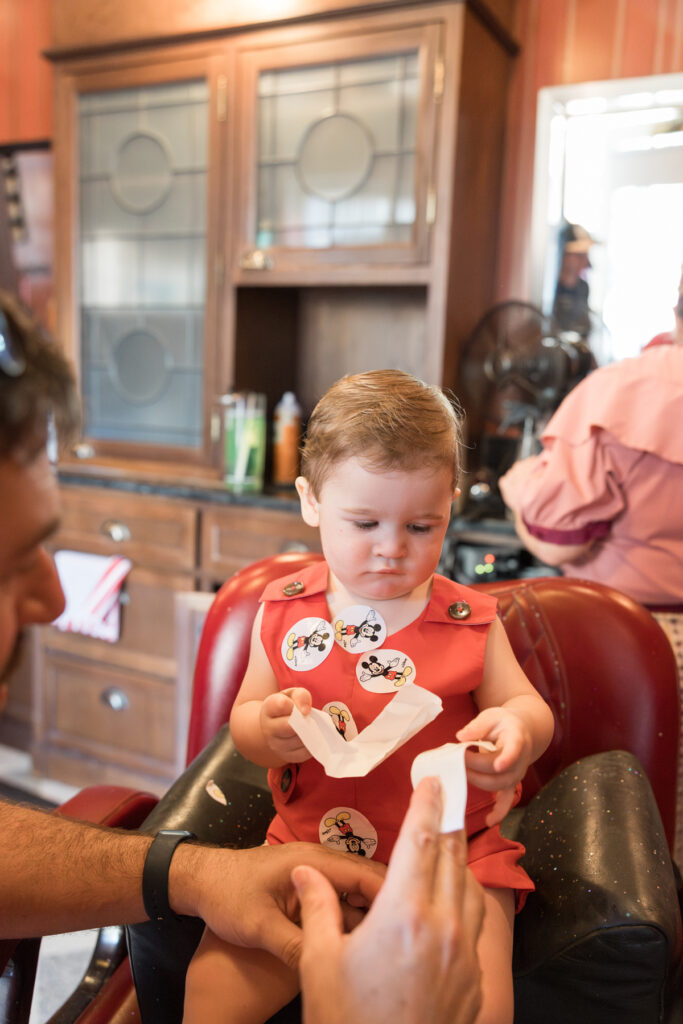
{"type": "Point", "coordinates": [342, 140]}
{"type": "Point", "coordinates": [141, 275]}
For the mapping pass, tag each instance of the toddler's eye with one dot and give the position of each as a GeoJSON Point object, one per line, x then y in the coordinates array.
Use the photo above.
{"type": "Point", "coordinates": [419, 528]}
{"type": "Point", "coordinates": [368, 524]}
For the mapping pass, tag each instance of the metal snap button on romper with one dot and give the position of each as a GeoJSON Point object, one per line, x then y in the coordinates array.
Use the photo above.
{"type": "Point", "coordinates": [459, 610]}
{"type": "Point", "coordinates": [292, 589]}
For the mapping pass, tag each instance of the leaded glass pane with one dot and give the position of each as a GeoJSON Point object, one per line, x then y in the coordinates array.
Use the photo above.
{"type": "Point", "coordinates": [336, 153]}
{"type": "Point", "coordinates": [143, 184]}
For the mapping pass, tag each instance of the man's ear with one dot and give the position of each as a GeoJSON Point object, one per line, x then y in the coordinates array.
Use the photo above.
{"type": "Point", "coordinates": [309, 504]}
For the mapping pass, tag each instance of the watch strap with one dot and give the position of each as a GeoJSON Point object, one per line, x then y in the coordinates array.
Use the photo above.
{"type": "Point", "coordinates": [155, 872]}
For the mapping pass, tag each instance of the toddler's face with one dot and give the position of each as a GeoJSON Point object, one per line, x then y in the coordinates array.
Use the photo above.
{"type": "Point", "coordinates": [381, 532]}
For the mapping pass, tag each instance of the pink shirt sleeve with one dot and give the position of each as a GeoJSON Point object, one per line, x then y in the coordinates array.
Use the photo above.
{"type": "Point", "coordinates": [572, 492]}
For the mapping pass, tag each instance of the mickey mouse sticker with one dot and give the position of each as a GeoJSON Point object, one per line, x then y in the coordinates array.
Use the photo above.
{"type": "Point", "coordinates": [385, 671]}
{"type": "Point", "coordinates": [346, 829]}
{"type": "Point", "coordinates": [342, 719]}
{"type": "Point", "coordinates": [307, 644]}
{"type": "Point", "coordinates": [360, 628]}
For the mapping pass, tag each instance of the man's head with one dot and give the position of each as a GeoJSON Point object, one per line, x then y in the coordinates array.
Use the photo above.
{"type": "Point", "coordinates": [36, 383]}
{"type": "Point", "coordinates": [385, 418]}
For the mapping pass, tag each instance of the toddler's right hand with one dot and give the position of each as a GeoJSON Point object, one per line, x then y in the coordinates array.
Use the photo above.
{"type": "Point", "coordinates": [274, 721]}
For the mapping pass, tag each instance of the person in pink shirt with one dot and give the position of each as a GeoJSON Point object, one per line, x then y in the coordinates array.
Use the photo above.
{"type": "Point", "coordinates": [604, 498]}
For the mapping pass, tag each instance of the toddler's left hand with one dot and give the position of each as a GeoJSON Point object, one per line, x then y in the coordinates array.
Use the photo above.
{"type": "Point", "coordinates": [499, 770]}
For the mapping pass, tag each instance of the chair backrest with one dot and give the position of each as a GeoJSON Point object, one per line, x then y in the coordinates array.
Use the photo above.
{"type": "Point", "coordinates": [599, 659]}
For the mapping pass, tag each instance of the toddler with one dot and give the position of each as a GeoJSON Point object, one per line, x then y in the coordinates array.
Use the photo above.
{"type": "Point", "coordinates": [379, 474]}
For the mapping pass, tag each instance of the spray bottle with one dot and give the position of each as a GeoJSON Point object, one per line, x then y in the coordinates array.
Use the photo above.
{"type": "Point", "coordinates": [286, 434]}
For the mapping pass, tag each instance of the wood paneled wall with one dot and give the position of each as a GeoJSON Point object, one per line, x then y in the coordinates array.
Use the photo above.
{"type": "Point", "coordinates": [565, 41]}
{"type": "Point", "coordinates": [25, 76]}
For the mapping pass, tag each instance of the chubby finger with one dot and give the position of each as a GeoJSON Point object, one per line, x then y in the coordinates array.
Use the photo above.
{"type": "Point", "coordinates": [505, 798]}
{"type": "Point", "coordinates": [480, 726]}
{"type": "Point", "coordinates": [301, 697]}
{"type": "Point", "coordinates": [277, 705]}
{"type": "Point", "coordinates": [414, 857]}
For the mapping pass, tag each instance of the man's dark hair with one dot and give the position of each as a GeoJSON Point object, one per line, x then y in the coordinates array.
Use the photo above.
{"type": "Point", "coordinates": [39, 384]}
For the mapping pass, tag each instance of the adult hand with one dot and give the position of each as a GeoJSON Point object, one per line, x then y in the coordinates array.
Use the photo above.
{"type": "Point", "coordinates": [247, 897]}
{"type": "Point", "coordinates": [274, 721]}
{"type": "Point", "coordinates": [414, 957]}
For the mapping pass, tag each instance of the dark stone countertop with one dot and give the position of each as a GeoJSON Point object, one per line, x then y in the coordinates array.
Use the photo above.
{"type": "Point", "coordinates": [212, 492]}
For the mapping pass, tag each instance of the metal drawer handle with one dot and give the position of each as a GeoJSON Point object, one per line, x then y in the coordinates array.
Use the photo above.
{"type": "Point", "coordinates": [115, 530]}
{"type": "Point", "coordinates": [115, 699]}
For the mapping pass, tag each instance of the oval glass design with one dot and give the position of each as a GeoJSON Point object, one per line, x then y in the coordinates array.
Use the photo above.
{"type": "Point", "coordinates": [335, 157]}
{"type": "Point", "coordinates": [140, 367]}
{"type": "Point", "coordinates": [142, 177]}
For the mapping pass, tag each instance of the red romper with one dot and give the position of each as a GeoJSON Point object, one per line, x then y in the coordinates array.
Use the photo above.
{"type": "Point", "coordinates": [445, 654]}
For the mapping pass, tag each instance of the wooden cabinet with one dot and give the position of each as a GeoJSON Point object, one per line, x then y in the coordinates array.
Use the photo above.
{"type": "Point", "coordinates": [114, 711]}
{"type": "Point", "coordinates": [268, 209]}
{"type": "Point", "coordinates": [232, 538]}
{"type": "Point", "coordinates": [338, 146]}
{"type": "Point", "coordinates": [119, 712]}
{"type": "Point", "coordinates": [139, 228]}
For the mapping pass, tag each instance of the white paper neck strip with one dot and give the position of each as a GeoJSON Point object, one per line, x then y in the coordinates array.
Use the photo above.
{"type": "Point", "coordinates": [448, 764]}
{"type": "Point", "coordinates": [410, 710]}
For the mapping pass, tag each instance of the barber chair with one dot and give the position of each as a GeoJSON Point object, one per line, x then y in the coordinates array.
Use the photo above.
{"type": "Point", "coordinates": [601, 940]}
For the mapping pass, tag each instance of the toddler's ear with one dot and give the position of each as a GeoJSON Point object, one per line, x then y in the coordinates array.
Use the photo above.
{"type": "Point", "coordinates": [309, 504]}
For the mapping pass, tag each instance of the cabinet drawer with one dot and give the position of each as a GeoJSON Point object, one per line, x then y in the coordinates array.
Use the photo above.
{"type": "Point", "coordinates": [232, 538]}
{"type": "Point", "coordinates": [107, 713]}
{"type": "Point", "coordinates": [150, 531]}
{"type": "Point", "coordinates": [147, 637]}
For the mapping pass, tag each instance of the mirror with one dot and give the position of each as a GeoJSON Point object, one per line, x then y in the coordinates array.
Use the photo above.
{"type": "Point", "coordinates": [609, 161]}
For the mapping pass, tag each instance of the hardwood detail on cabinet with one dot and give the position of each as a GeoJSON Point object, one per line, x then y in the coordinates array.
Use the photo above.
{"type": "Point", "coordinates": [152, 531]}
{"type": "Point", "coordinates": [232, 538]}
{"type": "Point", "coordinates": [104, 724]}
{"type": "Point", "coordinates": [105, 712]}
{"type": "Point", "coordinates": [147, 636]}
{"type": "Point", "coordinates": [119, 712]}
{"type": "Point", "coordinates": [124, 23]}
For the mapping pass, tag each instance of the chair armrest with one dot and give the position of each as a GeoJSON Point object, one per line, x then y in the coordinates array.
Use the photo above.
{"type": "Point", "coordinates": [601, 939]}
{"type": "Point", "coordinates": [114, 806]}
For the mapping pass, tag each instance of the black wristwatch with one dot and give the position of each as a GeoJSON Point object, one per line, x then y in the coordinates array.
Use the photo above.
{"type": "Point", "coordinates": [155, 872]}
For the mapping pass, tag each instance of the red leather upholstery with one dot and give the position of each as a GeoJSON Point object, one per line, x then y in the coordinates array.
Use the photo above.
{"type": "Point", "coordinates": [597, 657]}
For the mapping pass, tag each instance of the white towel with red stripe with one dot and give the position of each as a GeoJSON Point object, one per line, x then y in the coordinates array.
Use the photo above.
{"type": "Point", "coordinates": [92, 588]}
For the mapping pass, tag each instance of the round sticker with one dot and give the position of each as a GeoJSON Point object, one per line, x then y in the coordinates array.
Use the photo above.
{"type": "Point", "coordinates": [342, 718]}
{"type": "Point", "coordinates": [360, 628]}
{"type": "Point", "coordinates": [345, 829]}
{"type": "Point", "coordinates": [307, 644]}
{"type": "Point", "coordinates": [385, 671]}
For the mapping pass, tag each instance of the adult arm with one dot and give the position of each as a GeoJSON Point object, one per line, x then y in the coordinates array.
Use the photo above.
{"type": "Point", "coordinates": [414, 956]}
{"type": "Point", "coordinates": [564, 500]}
{"type": "Point", "coordinates": [58, 875]}
{"type": "Point", "coordinates": [61, 875]}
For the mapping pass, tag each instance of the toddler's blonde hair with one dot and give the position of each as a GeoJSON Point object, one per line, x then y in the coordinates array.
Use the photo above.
{"type": "Point", "coordinates": [386, 418]}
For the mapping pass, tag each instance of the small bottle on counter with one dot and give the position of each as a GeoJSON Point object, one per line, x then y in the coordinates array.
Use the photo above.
{"type": "Point", "coordinates": [286, 435]}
